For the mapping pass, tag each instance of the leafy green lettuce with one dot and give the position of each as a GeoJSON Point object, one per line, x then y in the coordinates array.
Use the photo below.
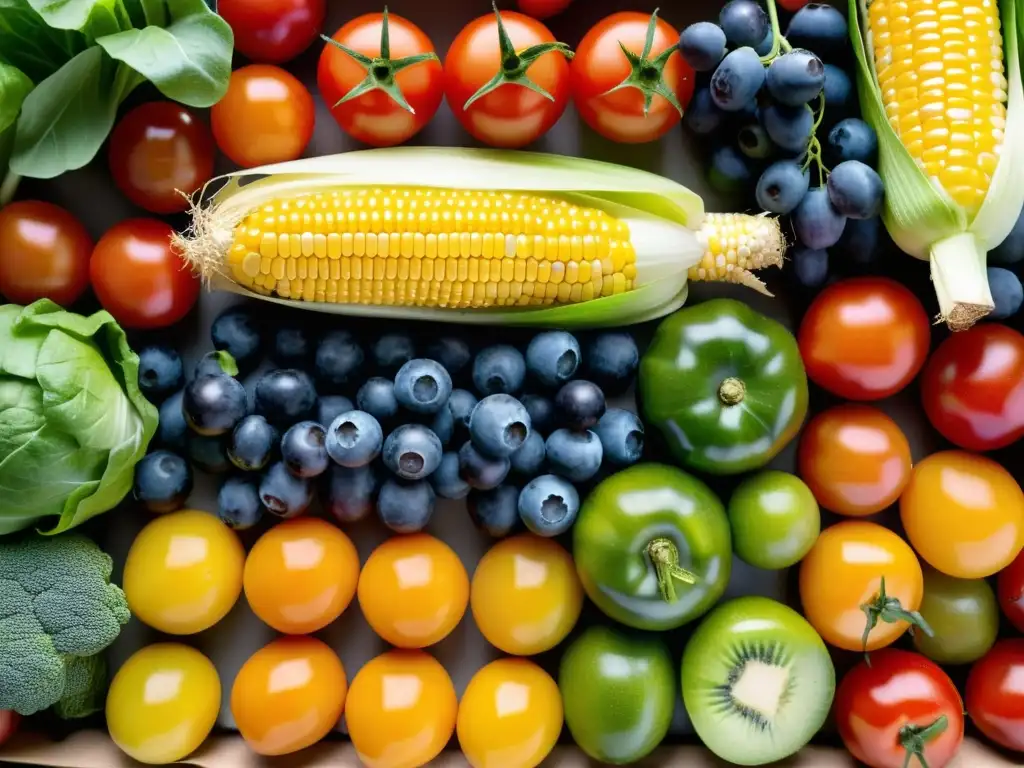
{"type": "Point", "coordinates": [73, 422]}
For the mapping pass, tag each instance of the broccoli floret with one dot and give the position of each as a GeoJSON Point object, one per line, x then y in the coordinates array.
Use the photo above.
{"type": "Point", "coordinates": [57, 609]}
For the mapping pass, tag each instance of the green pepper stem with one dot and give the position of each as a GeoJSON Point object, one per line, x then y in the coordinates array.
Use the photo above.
{"type": "Point", "coordinates": [914, 738]}
{"type": "Point", "coordinates": [890, 610]}
{"type": "Point", "coordinates": [665, 557]}
{"type": "Point", "coordinates": [732, 391]}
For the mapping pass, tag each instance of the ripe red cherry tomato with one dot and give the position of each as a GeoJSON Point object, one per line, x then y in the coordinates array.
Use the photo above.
{"type": "Point", "coordinates": [995, 696]}
{"type": "Point", "coordinates": [793, 5]}
{"type": "Point", "coordinates": [139, 278]}
{"type": "Point", "coordinates": [864, 338]}
{"type": "Point", "coordinates": [1011, 591]}
{"type": "Point", "coordinates": [510, 115]}
{"type": "Point", "coordinates": [157, 150]}
{"type": "Point", "coordinates": [9, 722]}
{"type": "Point", "coordinates": [973, 387]}
{"type": "Point", "coordinates": [376, 117]}
{"type": "Point", "coordinates": [273, 31]}
{"type": "Point", "coordinates": [903, 703]}
{"type": "Point", "coordinates": [600, 65]}
{"type": "Point", "coordinates": [543, 9]}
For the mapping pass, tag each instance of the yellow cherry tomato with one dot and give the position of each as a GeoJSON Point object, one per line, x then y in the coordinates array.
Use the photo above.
{"type": "Point", "coordinates": [300, 575]}
{"type": "Point", "coordinates": [163, 703]}
{"type": "Point", "coordinates": [184, 572]}
{"type": "Point", "coordinates": [525, 595]}
{"type": "Point", "coordinates": [288, 695]}
{"type": "Point", "coordinates": [413, 590]}
{"type": "Point", "coordinates": [510, 715]}
{"type": "Point", "coordinates": [964, 514]}
{"type": "Point", "coordinates": [401, 710]}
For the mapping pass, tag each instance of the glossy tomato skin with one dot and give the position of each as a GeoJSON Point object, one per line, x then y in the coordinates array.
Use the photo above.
{"type": "Point", "coordinates": [864, 338]}
{"type": "Point", "coordinates": [964, 514]}
{"type": "Point", "coordinates": [158, 151]}
{"type": "Point", "coordinates": [994, 696]}
{"type": "Point", "coordinates": [273, 31]}
{"type": "Point", "coordinates": [855, 459]}
{"type": "Point", "coordinates": [511, 116]}
{"type": "Point", "coordinates": [1010, 588]}
{"type": "Point", "coordinates": [898, 689]}
{"type": "Point", "coordinates": [973, 387]}
{"type": "Point", "coordinates": [266, 116]}
{"type": "Point", "coordinates": [44, 253]}
{"type": "Point", "coordinates": [542, 9]}
{"type": "Point", "coordinates": [139, 278]}
{"type": "Point", "coordinates": [375, 118]}
{"type": "Point", "coordinates": [599, 65]}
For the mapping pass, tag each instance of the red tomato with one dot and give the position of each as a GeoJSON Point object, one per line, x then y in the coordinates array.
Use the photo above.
{"type": "Point", "coordinates": [377, 117]}
{"type": "Point", "coordinates": [973, 387]}
{"type": "Point", "coordinates": [793, 5]}
{"type": "Point", "coordinates": [901, 704]}
{"type": "Point", "coordinates": [600, 65]}
{"type": "Point", "coordinates": [265, 117]}
{"type": "Point", "coordinates": [995, 696]}
{"type": "Point", "coordinates": [44, 253]}
{"type": "Point", "coordinates": [156, 151]}
{"type": "Point", "coordinates": [9, 722]}
{"type": "Point", "coordinates": [864, 338]}
{"type": "Point", "coordinates": [139, 278]}
{"type": "Point", "coordinates": [273, 31]}
{"type": "Point", "coordinates": [510, 115]}
{"type": "Point", "coordinates": [1011, 591]}
{"type": "Point", "coordinates": [543, 9]}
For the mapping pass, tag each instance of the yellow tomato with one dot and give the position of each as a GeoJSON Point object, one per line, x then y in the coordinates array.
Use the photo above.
{"type": "Point", "coordinates": [525, 595]}
{"type": "Point", "coordinates": [510, 715]}
{"type": "Point", "coordinates": [964, 514]}
{"type": "Point", "coordinates": [300, 575]}
{"type": "Point", "coordinates": [401, 710]}
{"type": "Point", "coordinates": [413, 590]}
{"type": "Point", "coordinates": [163, 703]}
{"type": "Point", "coordinates": [184, 572]}
{"type": "Point", "coordinates": [288, 695]}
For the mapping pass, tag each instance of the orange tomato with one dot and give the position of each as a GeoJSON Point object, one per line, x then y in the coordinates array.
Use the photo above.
{"type": "Point", "coordinates": [842, 575]}
{"type": "Point", "coordinates": [855, 459]}
{"type": "Point", "coordinates": [300, 575]}
{"type": "Point", "coordinates": [401, 710]}
{"type": "Point", "coordinates": [413, 590]}
{"type": "Point", "coordinates": [525, 595]}
{"type": "Point", "coordinates": [510, 715]}
{"type": "Point", "coordinates": [288, 695]}
{"type": "Point", "coordinates": [964, 514]}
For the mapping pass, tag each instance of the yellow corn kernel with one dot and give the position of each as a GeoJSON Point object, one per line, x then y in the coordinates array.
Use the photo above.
{"type": "Point", "coordinates": [734, 246]}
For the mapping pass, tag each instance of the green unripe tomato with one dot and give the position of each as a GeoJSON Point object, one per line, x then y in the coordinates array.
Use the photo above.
{"type": "Point", "coordinates": [774, 518]}
{"type": "Point", "coordinates": [963, 615]}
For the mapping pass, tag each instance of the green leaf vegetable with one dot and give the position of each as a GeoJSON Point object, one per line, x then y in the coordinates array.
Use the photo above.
{"type": "Point", "coordinates": [73, 423]}
{"type": "Point", "coordinates": [58, 611]}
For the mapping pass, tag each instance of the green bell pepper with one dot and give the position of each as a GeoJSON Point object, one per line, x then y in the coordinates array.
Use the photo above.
{"type": "Point", "coordinates": [652, 547]}
{"type": "Point", "coordinates": [724, 385]}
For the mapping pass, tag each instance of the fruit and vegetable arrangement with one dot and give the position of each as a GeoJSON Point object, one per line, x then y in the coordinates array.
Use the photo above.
{"type": "Point", "coordinates": [551, 413]}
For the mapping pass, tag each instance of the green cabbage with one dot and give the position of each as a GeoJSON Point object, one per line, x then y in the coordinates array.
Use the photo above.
{"type": "Point", "coordinates": [73, 422]}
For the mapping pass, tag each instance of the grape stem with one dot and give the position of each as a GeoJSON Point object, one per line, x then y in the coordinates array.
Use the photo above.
{"type": "Point", "coordinates": [813, 153]}
{"type": "Point", "coordinates": [778, 41]}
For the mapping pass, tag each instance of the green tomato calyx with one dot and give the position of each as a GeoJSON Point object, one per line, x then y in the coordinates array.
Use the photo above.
{"type": "Point", "coordinates": [732, 391]}
{"type": "Point", "coordinates": [891, 611]}
{"type": "Point", "coordinates": [914, 738]}
{"type": "Point", "coordinates": [665, 557]}
{"type": "Point", "coordinates": [646, 74]}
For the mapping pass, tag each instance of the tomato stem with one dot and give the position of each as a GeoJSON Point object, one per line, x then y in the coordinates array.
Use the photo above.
{"type": "Point", "coordinates": [890, 610]}
{"type": "Point", "coordinates": [914, 738]}
{"type": "Point", "coordinates": [647, 75]}
{"type": "Point", "coordinates": [665, 556]}
{"type": "Point", "coordinates": [732, 391]}
{"type": "Point", "coordinates": [381, 70]}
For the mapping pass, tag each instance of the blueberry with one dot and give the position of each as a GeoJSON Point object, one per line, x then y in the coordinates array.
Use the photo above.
{"type": "Point", "coordinates": [580, 404]}
{"type": "Point", "coordinates": [442, 424]}
{"type": "Point", "coordinates": [304, 449]}
{"type": "Point", "coordinates": [160, 372]}
{"type": "Point", "coordinates": [283, 494]}
{"type": "Point", "coordinates": [216, 363]}
{"type": "Point", "coordinates": [838, 90]}
{"type": "Point", "coordinates": [622, 437]}
{"type": "Point", "coordinates": [1011, 250]}
{"type": "Point", "coordinates": [541, 411]}
{"type": "Point", "coordinates": [412, 452]}
{"type": "Point", "coordinates": [351, 492]}
{"type": "Point", "coordinates": [767, 43]}
{"type": "Point", "coordinates": [744, 22]}
{"type": "Point", "coordinates": [451, 352]}
{"type": "Point", "coordinates": [499, 370]}
{"type": "Point", "coordinates": [405, 507]}
{"type": "Point", "coordinates": [377, 398]}
{"type": "Point", "coordinates": [461, 403]}
{"type": "Point", "coordinates": [611, 361]}
{"type": "Point", "coordinates": [213, 405]}
{"type": "Point", "coordinates": [730, 171]}
{"type": "Point", "coordinates": [753, 142]}
{"type": "Point", "coordinates": [528, 460]}
{"type": "Point", "coordinates": [552, 357]}
{"type": "Point", "coordinates": [1006, 292]}
{"type": "Point", "coordinates": [292, 347]}
{"type": "Point", "coordinates": [702, 45]}
{"type": "Point", "coordinates": [285, 396]}
{"type": "Point", "coordinates": [423, 386]}
{"type": "Point", "coordinates": [238, 503]}
{"type": "Point", "coordinates": [789, 127]}
{"type": "Point", "coordinates": [816, 221]}
{"type": "Point", "coordinates": [252, 443]}
{"type": "Point", "coordinates": [163, 481]}
{"type": "Point", "coordinates": [795, 78]}
{"type": "Point", "coordinates": [339, 360]}
{"type": "Point", "coordinates": [702, 116]}
{"type": "Point", "coordinates": [810, 266]}
{"type": "Point", "coordinates": [237, 331]}
{"type": "Point", "coordinates": [354, 439]}
{"type": "Point", "coordinates": [499, 425]}
{"type": "Point", "coordinates": [782, 186]}
{"type": "Point", "coordinates": [330, 407]}
{"type": "Point", "coordinates": [391, 351]}
{"type": "Point", "coordinates": [852, 139]}
{"type": "Point", "coordinates": [859, 242]}
{"type": "Point", "coordinates": [548, 505]}
{"type": "Point", "coordinates": [820, 28]}
{"type": "Point", "coordinates": [172, 430]}
{"type": "Point", "coordinates": [480, 471]}
{"type": "Point", "coordinates": [447, 482]}
{"type": "Point", "coordinates": [855, 190]}
{"type": "Point", "coordinates": [737, 79]}
{"type": "Point", "coordinates": [208, 454]}
{"type": "Point", "coordinates": [495, 512]}
{"type": "Point", "coordinates": [576, 456]}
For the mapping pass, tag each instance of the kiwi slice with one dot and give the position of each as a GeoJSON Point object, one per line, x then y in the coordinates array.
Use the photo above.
{"type": "Point", "coordinates": [757, 681]}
